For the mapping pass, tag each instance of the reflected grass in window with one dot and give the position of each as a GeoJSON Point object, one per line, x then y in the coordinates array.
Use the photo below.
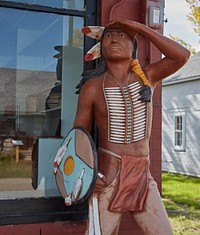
{"type": "Point", "coordinates": [10, 169]}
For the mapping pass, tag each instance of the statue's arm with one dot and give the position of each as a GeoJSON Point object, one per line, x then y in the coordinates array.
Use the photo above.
{"type": "Point", "coordinates": [84, 113]}
{"type": "Point", "coordinates": [175, 55]}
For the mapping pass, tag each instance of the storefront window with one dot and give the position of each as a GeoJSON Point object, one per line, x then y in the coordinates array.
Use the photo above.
{"type": "Point", "coordinates": [40, 56]}
{"type": "Point", "coordinates": [67, 4]}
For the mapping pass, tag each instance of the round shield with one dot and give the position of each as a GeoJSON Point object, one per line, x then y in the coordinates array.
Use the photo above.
{"type": "Point", "coordinates": [75, 166]}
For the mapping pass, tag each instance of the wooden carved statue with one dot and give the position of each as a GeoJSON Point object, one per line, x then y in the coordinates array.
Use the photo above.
{"type": "Point", "coordinates": [118, 95]}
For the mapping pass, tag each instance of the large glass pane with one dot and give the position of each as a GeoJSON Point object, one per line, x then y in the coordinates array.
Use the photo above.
{"type": "Point", "coordinates": [35, 49]}
{"type": "Point", "coordinates": [67, 4]}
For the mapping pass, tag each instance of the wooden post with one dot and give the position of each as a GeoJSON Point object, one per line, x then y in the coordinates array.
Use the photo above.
{"type": "Point", "coordinates": [17, 143]}
{"type": "Point", "coordinates": [17, 154]}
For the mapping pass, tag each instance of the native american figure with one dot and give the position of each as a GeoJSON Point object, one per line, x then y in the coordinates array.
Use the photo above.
{"type": "Point", "coordinates": [118, 96]}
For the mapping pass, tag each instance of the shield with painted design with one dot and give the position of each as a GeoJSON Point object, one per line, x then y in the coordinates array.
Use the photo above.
{"type": "Point", "coordinates": [75, 166]}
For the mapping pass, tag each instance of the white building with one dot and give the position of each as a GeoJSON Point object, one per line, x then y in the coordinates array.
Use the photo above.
{"type": "Point", "coordinates": [181, 120]}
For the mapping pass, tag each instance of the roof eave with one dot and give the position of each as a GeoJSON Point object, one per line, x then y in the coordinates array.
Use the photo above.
{"type": "Point", "coordinates": [182, 80]}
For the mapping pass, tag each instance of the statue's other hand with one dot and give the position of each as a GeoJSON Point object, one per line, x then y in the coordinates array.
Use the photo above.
{"type": "Point", "coordinates": [100, 183]}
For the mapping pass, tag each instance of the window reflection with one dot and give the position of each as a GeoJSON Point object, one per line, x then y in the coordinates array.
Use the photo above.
{"type": "Point", "coordinates": [31, 68]}
{"type": "Point", "coordinates": [67, 4]}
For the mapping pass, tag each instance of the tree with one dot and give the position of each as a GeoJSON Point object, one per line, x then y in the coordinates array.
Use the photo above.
{"type": "Point", "coordinates": [194, 17]}
{"type": "Point", "coordinates": [78, 38]}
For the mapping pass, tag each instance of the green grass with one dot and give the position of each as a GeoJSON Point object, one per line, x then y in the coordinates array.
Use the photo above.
{"type": "Point", "coordinates": [10, 169]}
{"type": "Point", "coordinates": [181, 197]}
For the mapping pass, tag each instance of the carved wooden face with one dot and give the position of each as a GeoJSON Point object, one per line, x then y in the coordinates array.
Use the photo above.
{"type": "Point", "coordinates": [116, 45]}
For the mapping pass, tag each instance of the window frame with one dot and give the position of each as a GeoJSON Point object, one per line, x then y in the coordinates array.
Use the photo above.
{"type": "Point", "coordinates": [182, 130]}
{"type": "Point", "coordinates": [41, 8]}
{"type": "Point", "coordinates": [38, 210]}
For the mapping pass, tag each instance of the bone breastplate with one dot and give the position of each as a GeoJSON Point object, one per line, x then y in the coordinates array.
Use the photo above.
{"type": "Point", "coordinates": [126, 114]}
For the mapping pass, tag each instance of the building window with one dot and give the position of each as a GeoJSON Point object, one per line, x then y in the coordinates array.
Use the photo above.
{"type": "Point", "coordinates": [179, 131]}
{"type": "Point", "coordinates": [41, 55]}
{"type": "Point", "coordinates": [41, 63]}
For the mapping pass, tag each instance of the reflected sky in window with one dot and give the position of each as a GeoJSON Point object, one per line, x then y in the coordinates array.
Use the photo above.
{"type": "Point", "coordinates": [28, 39]}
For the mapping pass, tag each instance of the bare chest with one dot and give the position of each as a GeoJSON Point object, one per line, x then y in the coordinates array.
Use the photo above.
{"type": "Point", "coordinates": [119, 113]}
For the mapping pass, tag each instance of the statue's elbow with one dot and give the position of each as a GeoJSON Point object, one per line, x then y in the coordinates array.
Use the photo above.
{"type": "Point", "coordinates": [186, 56]}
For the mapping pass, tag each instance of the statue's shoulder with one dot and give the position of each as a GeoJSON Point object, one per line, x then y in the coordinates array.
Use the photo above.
{"type": "Point", "coordinates": [92, 88]}
{"type": "Point", "coordinates": [95, 82]}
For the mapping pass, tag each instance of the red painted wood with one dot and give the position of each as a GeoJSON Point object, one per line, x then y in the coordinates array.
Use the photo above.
{"type": "Point", "coordinates": [56, 228]}
{"type": "Point", "coordinates": [31, 229]}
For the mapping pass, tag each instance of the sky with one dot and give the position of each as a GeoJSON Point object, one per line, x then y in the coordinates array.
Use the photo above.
{"type": "Point", "coordinates": [176, 12]}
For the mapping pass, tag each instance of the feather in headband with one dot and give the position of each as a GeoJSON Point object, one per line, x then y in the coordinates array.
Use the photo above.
{"type": "Point", "coordinates": [94, 32]}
